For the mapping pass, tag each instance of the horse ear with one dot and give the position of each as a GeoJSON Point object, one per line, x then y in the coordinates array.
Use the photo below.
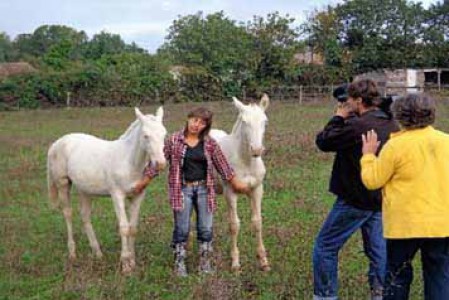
{"type": "Point", "coordinates": [160, 113]}
{"type": "Point", "coordinates": [240, 106]}
{"type": "Point", "coordinates": [264, 102]}
{"type": "Point", "coordinates": [139, 114]}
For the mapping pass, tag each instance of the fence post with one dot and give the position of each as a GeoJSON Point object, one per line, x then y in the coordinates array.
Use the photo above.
{"type": "Point", "coordinates": [331, 92]}
{"type": "Point", "coordinates": [156, 92]}
{"type": "Point", "coordinates": [68, 100]}
{"type": "Point", "coordinates": [300, 94]}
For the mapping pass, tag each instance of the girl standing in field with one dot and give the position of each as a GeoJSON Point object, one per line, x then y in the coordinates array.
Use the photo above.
{"type": "Point", "coordinates": [192, 154]}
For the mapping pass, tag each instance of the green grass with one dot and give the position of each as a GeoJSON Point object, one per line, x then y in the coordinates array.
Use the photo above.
{"type": "Point", "coordinates": [33, 251]}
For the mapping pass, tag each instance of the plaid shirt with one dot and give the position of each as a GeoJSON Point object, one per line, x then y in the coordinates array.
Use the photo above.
{"type": "Point", "coordinates": [174, 150]}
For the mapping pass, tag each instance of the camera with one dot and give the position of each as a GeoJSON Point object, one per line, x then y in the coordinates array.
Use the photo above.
{"type": "Point", "coordinates": [341, 93]}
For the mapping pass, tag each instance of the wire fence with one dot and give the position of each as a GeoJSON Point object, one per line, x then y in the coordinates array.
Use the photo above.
{"type": "Point", "coordinates": [297, 93]}
{"type": "Point", "coordinates": [302, 94]}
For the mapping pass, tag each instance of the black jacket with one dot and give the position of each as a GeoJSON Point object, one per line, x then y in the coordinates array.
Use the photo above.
{"type": "Point", "coordinates": [345, 138]}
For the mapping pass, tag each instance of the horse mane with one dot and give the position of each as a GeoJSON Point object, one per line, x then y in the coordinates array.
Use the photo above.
{"type": "Point", "coordinates": [237, 124]}
{"type": "Point", "coordinates": [130, 130]}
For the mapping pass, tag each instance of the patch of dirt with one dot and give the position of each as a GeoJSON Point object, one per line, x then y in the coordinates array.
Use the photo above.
{"type": "Point", "coordinates": [215, 288]}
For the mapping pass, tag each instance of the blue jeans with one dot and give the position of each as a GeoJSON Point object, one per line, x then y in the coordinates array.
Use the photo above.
{"type": "Point", "coordinates": [435, 266]}
{"type": "Point", "coordinates": [195, 197]}
{"type": "Point", "coordinates": [342, 221]}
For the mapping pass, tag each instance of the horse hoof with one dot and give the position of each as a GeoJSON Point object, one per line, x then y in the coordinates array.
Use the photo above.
{"type": "Point", "coordinates": [265, 268]}
{"type": "Point", "coordinates": [128, 267]}
{"type": "Point", "coordinates": [126, 270]}
{"type": "Point", "coordinates": [72, 257]}
{"type": "Point", "coordinates": [236, 269]}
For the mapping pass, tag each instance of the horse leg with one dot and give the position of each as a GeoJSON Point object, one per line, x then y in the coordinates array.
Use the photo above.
{"type": "Point", "coordinates": [234, 226]}
{"type": "Point", "coordinates": [256, 221]}
{"type": "Point", "coordinates": [85, 211]}
{"type": "Point", "coordinates": [134, 209]}
{"type": "Point", "coordinates": [64, 194]}
{"type": "Point", "coordinates": [119, 206]}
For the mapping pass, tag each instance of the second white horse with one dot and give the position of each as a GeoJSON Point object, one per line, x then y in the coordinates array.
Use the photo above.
{"type": "Point", "coordinates": [243, 148]}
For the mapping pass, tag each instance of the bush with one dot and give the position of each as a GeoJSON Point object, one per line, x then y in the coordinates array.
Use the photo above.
{"type": "Point", "coordinates": [18, 92]}
{"type": "Point", "coordinates": [321, 75]}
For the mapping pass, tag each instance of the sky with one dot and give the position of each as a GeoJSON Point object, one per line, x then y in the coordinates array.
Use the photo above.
{"type": "Point", "coordinates": [144, 22]}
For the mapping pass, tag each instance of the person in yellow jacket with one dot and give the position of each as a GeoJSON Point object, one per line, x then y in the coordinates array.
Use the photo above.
{"type": "Point", "coordinates": [413, 170]}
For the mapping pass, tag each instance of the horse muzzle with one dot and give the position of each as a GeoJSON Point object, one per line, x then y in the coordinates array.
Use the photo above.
{"type": "Point", "coordinates": [257, 152]}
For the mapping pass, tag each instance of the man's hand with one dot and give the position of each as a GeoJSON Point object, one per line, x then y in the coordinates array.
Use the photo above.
{"type": "Point", "coordinates": [343, 110]}
{"type": "Point", "coordinates": [370, 142]}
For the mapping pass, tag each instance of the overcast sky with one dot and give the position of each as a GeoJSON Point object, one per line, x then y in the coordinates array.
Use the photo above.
{"type": "Point", "coordinates": [144, 22]}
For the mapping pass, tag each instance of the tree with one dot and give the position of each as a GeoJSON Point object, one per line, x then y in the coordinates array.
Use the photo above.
{"type": "Point", "coordinates": [104, 44]}
{"type": "Point", "coordinates": [58, 55]}
{"type": "Point", "coordinates": [47, 36]}
{"type": "Point", "coordinates": [390, 31]}
{"type": "Point", "coordinates": [213, 43]}
{"type": "Point", "coordinates": [24, 45]}
{"type": "Point", "coordinates": [320, 28]}
{"type": "Point", "coordinates": [6, 48]}
{"type": "Point", "coordinates": [436, 35]}
{"type": "Point", "coordinates": [369, 35]}
{"type": "Point", "coordinates": [136, 76]}
{"type": "Point", "coordinates": [275, 43]}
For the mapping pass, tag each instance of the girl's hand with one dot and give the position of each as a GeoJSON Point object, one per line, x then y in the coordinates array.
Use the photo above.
{"type": "Point", "coordinates": [240, 187]}
{"type": "Point", "coordinates": [140, 186]}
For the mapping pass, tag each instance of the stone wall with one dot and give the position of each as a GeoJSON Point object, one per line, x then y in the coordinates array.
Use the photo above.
{"type": "Point", "coordinates": [394, 82]}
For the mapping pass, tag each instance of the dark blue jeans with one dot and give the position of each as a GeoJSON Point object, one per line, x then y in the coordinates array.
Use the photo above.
{"type": "Point", "coordinates": [435, 267]}
{"type": "Point", "coordinates": [195, 197]}
{"type": "Point", "coordinates": [342, 221]}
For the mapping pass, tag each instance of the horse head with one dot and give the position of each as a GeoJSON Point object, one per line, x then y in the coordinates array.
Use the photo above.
{"type": "Point", "coordinates": [253, 121]}
{"type": "Point", "coordinates": [152, 135]}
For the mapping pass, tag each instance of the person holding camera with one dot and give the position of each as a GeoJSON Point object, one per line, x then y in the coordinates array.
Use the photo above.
{"type": "Point", "coordinates": [355, 207]}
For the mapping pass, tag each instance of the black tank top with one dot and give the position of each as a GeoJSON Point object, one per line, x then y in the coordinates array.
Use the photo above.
{"type": "Point", "coordinates": [195, 163]}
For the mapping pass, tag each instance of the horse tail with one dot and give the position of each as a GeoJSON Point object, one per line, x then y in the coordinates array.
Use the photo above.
{"type": "Point", "coordinates": [52, 187]}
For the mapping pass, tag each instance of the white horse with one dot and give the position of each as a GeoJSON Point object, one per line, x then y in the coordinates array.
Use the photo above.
{"type": "Point", "coordinates": [99, 167]}
{"type": "Point", "coordinates": [243, 148]}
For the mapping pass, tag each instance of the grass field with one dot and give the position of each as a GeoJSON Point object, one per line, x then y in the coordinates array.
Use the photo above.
{"type": "Point", "coordinates": [33, 251]}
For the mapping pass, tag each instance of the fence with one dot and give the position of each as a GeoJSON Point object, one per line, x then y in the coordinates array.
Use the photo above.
{"type": "Point", "coordinates": [299, 93]}
{"type": "Point", "coordinates": [302, 94]}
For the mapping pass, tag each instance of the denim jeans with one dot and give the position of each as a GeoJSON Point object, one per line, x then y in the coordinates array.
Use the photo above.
{"type": "Point", "coordinates": [435, 266]}
{"type": "Point", "coordinates": [342, 221]}
{"type": "Point", "coordinates": [195, 197]}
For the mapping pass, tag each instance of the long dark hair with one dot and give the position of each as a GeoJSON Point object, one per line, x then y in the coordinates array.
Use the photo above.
{"type": "Point", "coordinates": [204, 114]}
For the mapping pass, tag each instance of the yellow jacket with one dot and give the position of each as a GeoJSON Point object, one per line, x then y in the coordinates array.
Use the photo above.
{"type": "Point", "coordinates": [413, 169]}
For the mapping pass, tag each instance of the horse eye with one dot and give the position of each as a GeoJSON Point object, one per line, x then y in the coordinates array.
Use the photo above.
{"type": "Point", "coordinates": [145, 136]}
